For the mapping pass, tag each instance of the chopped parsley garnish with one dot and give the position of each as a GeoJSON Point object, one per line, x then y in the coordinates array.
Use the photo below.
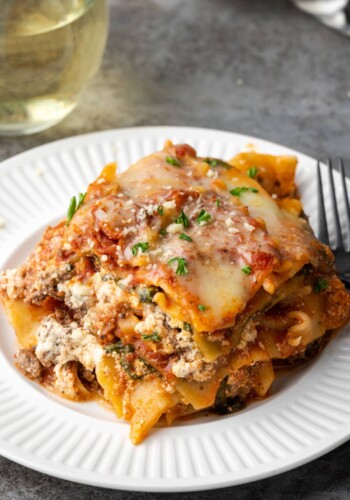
{"type": "Point", "coordinates": [120, 348]}
{"type": "Point", "coordinates": [252, 171]}
{"type": "Point", "coordinates": [203, 217]}
{"type": "Point", "coordinates": [185, 237]}
{"type": "Point", "coordinates": [74, 205]}
{"type": "Point", "coordinates": [154, 337]}
{"type": "Point", "coordinates": [162, 231]}
{"type": "Point", "coordinates": [182, 269]}
{"type": "Point", "coordinates": [215, 162]}
{"type": "Point", "coordinates": [187, 327]}
{"type": "Point", "coordinates": [201, 307]}
{"type": "Point", "coordinates": [246, 270]}
{"type": "Point", "coordinates": [320, 285]}
{"type": "Point", "coordinates": [143, 246]}
{"type": "Point", "coordinates": [173, 161]}
{"type": "Point", "coordinates": [183, 219]}
{"type": "Point", "coordinates": [160, 210]}
{"type": "Point", "coordinates": [239, 190]}
{"type": "Point", "coordinates": [218, 202]}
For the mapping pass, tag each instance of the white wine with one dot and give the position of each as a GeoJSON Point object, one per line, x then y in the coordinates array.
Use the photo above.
{"type": "Point", "coordinates": [49, 50]}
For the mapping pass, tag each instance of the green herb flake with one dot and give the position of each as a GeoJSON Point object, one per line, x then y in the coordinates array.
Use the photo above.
{"type": "Point", "coordinates": [187, 327]}
{"type": "Point", "coordinates": [173, 161]}
{"type": "Point", "coordinates": [81, 199]}
{"type": "Point", "coordinates": [183, 219]}
{"type": "Point", "coordinates": [126, 365]}
{"type": "Point", "coordinates": [151, 368]}
{"type": "Point", "coordinates": [203, 217]}
{"type": "Point", "coordinates": [215, 162]}
{"type": "Point", "coordinates": [185, 237]}
{"type": "Point", "coordinates": [320, 285]}
{"type": "Point", "coordinates": [71, 209]}
{"type": "Point", "coordinates": [129, 369]}
{"type": "Point", "coordinates": [246, 270]}
{"type": "Point", "coordinates": [225, 405]}
{"type": "Point", "coordinates": [74, 205]}
{"type": "Point", "coordinates": [239, 190]}
{"type": "Point", "coordinates": [120, 348]}
{"type": "Point", "coordinates": [252, 171]}
{"type": "Point", "coordinates": [146, 294]}
{"type": "Point", "coordinates": [201, 307]}
{"type": "Point", "coordinates": [182, 269]}
{"type": "Point", "coordinates": [143, 246]}
{"type": "Point", "coordinates": [218, 202]}
{"type": "Point", "coordinates": [154, 337]}
{"type": "Point", "coordinates": [160, 210]}
{"type": "Point", "coordinates": [162, 231]}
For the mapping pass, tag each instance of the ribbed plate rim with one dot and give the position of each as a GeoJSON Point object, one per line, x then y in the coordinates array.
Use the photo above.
{"type": "Point", "coordinates": [304, 455]}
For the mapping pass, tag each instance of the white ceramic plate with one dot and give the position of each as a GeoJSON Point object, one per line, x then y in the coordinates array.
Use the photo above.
{"type": "Point", "coordinates": [307, 414]}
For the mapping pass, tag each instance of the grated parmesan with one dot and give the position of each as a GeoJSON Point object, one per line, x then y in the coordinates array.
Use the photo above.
{"type": "Point", "coordinates": [174, 228]}
{"type": "Point", "coordinates": [169, 204]}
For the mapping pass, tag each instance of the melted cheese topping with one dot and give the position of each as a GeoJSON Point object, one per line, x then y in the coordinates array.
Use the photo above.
{"type": "Point", "coordinates": [241, 241]}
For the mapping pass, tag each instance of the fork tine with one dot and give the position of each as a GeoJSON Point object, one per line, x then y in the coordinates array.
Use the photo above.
{"type": "Point", "coordinates": [321, 214]}
{"type": "Point", "coordinates": [339, 237]}
{"type": "Point", "coordinates": [345, 193]}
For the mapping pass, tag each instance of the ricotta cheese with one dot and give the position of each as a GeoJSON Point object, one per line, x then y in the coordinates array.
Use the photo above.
{"type": "Point", "coordinates": [249, 334]}
{"type": "Point", "coordinates": [76, 294]}
{"type": "Point", "coordinates": [58, 344]}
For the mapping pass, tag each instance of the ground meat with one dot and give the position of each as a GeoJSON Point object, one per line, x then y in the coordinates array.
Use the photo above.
{"type": "Point", "coordinates": [337, 303]}
{"type": "Point", "coordinates": [28, 363]}
{"type": "Point", "coordinates": [88, 375]}
{"type": "Point", "coordinates": [310, 352]}
{"type": "Point", "coordinates": [59, 344]}
{"type": "Point", "coordinates": [11, 282]}
{"type": "Point", "coordinates": [46, 282]}
{"type": "Point", "coordinates": [33, 285]}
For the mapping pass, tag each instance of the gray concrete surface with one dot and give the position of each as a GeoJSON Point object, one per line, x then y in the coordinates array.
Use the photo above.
{"type": "Point", "coordinates": [181, 62]}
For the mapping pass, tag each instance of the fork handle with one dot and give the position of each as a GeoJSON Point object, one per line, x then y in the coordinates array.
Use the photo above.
{"type": "Point", "coordinates": [346, 280]}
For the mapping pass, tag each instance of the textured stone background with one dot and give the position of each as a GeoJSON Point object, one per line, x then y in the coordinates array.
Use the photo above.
{"type": "Point", "coordinates": [181, 62]}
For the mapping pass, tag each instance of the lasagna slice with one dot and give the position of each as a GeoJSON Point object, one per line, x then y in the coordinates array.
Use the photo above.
{"type": "Point", "coordinates": [177, 286]}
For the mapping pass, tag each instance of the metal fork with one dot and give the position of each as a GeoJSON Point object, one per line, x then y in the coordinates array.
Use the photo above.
{"type": "Point", "coordinates": [342, 255]}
